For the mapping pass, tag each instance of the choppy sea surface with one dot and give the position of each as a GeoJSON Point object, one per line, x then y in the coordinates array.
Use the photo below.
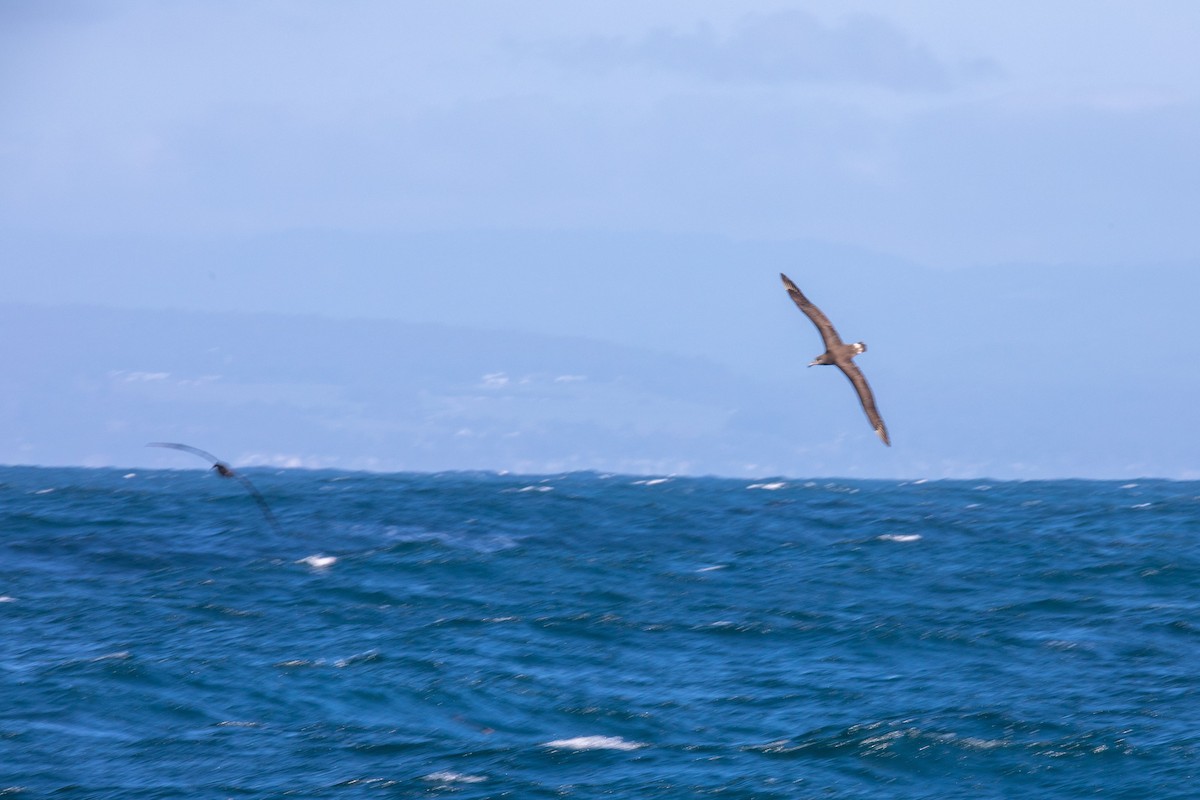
{"type": "Point", "coordinates": [476, 635]}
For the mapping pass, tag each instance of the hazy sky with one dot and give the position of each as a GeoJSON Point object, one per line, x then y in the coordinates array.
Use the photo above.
{"type": "Point", "coordinates": [638, 173]}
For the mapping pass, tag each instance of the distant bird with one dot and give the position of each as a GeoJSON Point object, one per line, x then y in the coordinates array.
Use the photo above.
{"type": "Point", "coordinates": [226, 471]}
{"type": "Point", "coordinates": [840, 355]}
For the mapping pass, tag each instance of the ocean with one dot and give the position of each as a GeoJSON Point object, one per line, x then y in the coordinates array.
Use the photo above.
{"type": "Point", "coordinates": [481, 635]}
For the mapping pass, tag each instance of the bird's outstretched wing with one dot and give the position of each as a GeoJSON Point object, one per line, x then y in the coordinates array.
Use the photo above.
{"type": "Point", "coordinates": [262, 503]}
{"type": "Point", "coordinates": [187, 448]}
{"type": "Point", "coordinates": [828, 334]}
{"type": "Point", "coordinates": [865, 396]}
{"type": "Point", "coordinates": [225, 471]}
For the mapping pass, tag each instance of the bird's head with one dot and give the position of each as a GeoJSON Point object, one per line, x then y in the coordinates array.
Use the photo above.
{"type": "Point", "coordinates": [821, 359]}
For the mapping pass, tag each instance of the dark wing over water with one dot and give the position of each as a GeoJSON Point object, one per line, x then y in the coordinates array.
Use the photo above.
{"type": "Point", "coordinates": [266, 510]}
{"type": "Point", "coordinates": [865, 397]}
{"type": "Point", "coordinates": [828, 334]}
{"type": "Point", "coordinates": [225, 471]}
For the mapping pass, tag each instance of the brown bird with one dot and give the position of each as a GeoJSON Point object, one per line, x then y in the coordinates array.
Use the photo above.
{"type": "Point", "coordinates": [226, 471]}
{"type": "Point", "coordinates": [840, 355]}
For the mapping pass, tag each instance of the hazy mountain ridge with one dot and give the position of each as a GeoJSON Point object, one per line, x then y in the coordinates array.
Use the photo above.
{"type": "Point", "coordinates": [1020, 372]}
{"type": "Point", "coordinates": [311, 391]}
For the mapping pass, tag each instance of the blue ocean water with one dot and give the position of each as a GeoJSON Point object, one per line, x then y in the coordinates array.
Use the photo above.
{"type": "Point", "coordinates": [577, 636]}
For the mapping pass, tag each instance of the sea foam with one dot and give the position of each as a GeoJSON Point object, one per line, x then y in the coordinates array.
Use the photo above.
{"type": "Point", "coordinates": [594, 743]}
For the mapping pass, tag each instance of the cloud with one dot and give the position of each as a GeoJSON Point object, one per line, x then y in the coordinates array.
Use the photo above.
{"type": "Point", "coordinates": [788, 46]}
{"type": "Point", "coordinates": [494, 380]}
{"type": "Point", "coordinates": [135, 377]}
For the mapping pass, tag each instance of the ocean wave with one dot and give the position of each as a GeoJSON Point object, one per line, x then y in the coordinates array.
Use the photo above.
{"type": "Point", "coordinates": [667, 640]}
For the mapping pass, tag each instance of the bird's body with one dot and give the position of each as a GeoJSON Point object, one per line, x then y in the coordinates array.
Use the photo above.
{"type": "Point", "coordinates": [841, 355]}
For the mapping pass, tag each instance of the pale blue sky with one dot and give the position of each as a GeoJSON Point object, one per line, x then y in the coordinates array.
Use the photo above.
{"type": "Point", "coordinates": [951, 181]}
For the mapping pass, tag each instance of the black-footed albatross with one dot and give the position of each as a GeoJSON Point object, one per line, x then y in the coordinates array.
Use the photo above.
{"type": "Point", "coordinates": [226, 471]}
{"type": "Point", "coordinates": [840, 355]}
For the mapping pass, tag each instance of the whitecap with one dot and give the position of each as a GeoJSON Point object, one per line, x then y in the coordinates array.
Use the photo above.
{"type": "Point", "coordinates": [770, 487]}
{"type": "Point", "coordinates": [712, 568]}
{"type": "Point", "coordinates": [453, 777]}
{"type": "Point", "coordinates": [369, 655]}
{"type": "Point", "coordinates": [300, 662]}
{"type": "Point", "coordinates": [1141, 505]}
{"type": "Point", "coordinates": [381, 783]}
{"type": "Point", "coordinates": [595, 743]}
{"type": "Point", "coordinates": [883, 741]}
{"type": "Point", "coordinates": [1129, 486]}
{"type": "Point", "coordinates": [44, 491]}
{"type": "Point", "coordinates": [651, 481]}
{"type": "Point", "coordinates": [318, 561]}
{"type": "Point", "coordinates": [899, 537]}
{"type": "Point", "coordinates": [982, 744]}
{"type": "Point", "coordinates": [536, 489]}
{"type": "Point", "coordinates": [129, 475]}
{"type": "Point", "coordinates": [6, 599]}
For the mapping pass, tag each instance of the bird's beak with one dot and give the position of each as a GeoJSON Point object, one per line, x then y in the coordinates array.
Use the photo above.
{"type": "Point", "coordinates": [813, 364]}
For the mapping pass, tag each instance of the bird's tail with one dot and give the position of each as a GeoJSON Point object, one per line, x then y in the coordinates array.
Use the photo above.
{"type": "Point", "coordinates": [859, 348]}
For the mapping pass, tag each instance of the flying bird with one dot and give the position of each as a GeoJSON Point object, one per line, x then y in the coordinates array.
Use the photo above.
{"type": "Point", "coordinates": [226, 471]}
{"type": "Point", "coordinates": [840, 355]}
